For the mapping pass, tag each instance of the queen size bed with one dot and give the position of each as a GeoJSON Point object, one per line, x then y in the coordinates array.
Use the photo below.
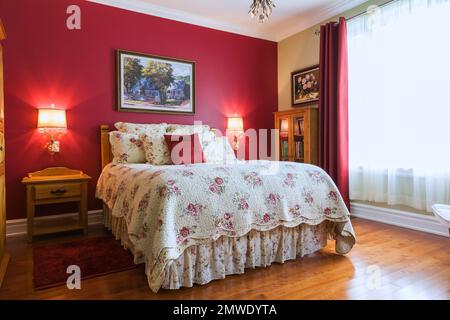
{"type": "Point", "coordinates": [191, 224]}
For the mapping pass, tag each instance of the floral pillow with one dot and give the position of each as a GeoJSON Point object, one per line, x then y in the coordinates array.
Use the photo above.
{"type": "Point", "coordinates": [188, 127]}
{"type": "Point", "coordinates": [155, 149]}
{"type": "Point", "coordinates": [126, 147]}
{"type": "Point", "coordinates": [219, 151]}
{"type": "Point", "coordinates": [204, 131]}
{"type": "Point", "coordinates": [137, 128]}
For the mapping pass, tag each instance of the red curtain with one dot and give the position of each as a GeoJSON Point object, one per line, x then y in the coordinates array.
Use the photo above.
{"type": "Point", "coordinates": [333, 104]}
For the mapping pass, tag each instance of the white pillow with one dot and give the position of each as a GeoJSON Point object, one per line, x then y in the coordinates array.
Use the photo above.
{"type": "Point", "coordinates": [155, 149]}
{"type": "Point", "coordinates": [126, 147]}
{"type": "Point", "coordinates": [141, 128]}
{"type": "Point", "coordinates": [219, 151]}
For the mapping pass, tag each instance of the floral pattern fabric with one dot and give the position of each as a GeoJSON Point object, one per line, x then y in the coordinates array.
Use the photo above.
{"type": "Point", "coordinates": [212, 260]}
{"type": "Point", "coordinates": [155, 149]}
{"type": "Point", "coordinates": [173, 127]}
{"type": "Point", "coordinates": [204, 132]}
{"type": "Point", "coordinates": [144, 128]}
{"type": "Point", "coordinates": [126, 148]}
{"type": "Point", "coordinates": [170, 208]}
{"type": "Point", "coordinates": [200, 264]}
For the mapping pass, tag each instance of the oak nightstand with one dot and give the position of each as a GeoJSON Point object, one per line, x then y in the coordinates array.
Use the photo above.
{"type": "Point", "coordinates": [56, 185]}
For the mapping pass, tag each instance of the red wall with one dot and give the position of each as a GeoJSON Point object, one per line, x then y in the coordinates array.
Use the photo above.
{"type": "Point", "coordinates": [46, 63]}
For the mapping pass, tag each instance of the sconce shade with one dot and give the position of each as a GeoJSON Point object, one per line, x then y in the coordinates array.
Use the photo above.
{"type": "Point", "coordinates": [235, 124]}
{"type": "Point", "coordinates": [52, 118]}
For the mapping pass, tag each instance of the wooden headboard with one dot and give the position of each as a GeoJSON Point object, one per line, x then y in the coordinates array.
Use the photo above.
{"type": "Point", "coordinates": [107, 156]}
{"type": "Point", "coordinates": [106, 153]}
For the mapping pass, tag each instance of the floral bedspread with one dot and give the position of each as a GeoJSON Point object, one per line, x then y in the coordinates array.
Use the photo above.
{"type": "Point", "coordinates": [169, 208]}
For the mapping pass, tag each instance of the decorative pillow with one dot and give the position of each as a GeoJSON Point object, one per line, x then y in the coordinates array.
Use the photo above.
{"type": "Point", "coordinates": [126, 147]}
{"type": "Point", "coordinates": [144, 128]}
{"type": "Point", "coordinates": [219, 151]}
{"type": "Point", "coordinates": [184, 149]}
{"type": "Point", "coordinates": [155, 149]}
{"type": "Point", "coordinates": [187, 127]}
{"type": "Point", "coordinates": [204, 131]}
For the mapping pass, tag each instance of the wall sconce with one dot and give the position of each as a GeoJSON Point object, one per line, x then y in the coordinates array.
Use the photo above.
{"type": "Point", "coordinates": [236, 127]}
{"type": "Point", "coordinates": [52, 122]}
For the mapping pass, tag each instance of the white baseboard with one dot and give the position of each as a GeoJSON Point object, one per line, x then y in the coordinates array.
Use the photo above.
{"type": "Point", "coordinates": [18, 227]}
{"type": "Point", "coordinates": [415, 221]}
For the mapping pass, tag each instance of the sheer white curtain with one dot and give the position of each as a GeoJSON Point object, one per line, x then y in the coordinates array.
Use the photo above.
{"type": "Point", "coordinates": [399, 103]}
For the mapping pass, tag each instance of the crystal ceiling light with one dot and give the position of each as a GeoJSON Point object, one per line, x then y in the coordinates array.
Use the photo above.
{"type": "Point", "coordinates": [261, 9]}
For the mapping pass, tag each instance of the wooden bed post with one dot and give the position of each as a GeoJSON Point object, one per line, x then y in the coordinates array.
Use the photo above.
{"type": "Point", "coordinates": [105, 146]}
{"type": "Point", "coordinates": [106, 156]}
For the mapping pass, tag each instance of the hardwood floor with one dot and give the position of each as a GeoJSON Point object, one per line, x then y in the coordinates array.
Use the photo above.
{"type": "Point", "coordinates": [412, 265]}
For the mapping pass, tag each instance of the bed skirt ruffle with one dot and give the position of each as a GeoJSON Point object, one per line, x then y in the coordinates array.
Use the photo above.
{"type": "Point", "coordinates": [202, 263]}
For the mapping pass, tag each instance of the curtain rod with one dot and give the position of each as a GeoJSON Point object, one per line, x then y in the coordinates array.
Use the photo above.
{"type": "Point", "coordinates": [317, 32]}
{"type": "Point", "coordinates": [365, 12]}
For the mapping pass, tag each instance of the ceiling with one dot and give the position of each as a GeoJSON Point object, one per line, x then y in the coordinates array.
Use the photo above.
{"type": "Point", "coordinates": [288, 18]}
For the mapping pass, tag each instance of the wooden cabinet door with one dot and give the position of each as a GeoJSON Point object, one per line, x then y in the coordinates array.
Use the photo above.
{"type": "Point", "coordinates": [2, 164]}
{"type": "Point", "coordinates": [3, 256]}
{"type": "Point", "coordinates": [283, 145]}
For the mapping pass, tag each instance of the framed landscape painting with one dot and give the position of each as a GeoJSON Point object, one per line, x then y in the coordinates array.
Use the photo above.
{"type": "Point", "coordinates": [305, 86]}
{"type": "Point", "coordinates": [148, 83]}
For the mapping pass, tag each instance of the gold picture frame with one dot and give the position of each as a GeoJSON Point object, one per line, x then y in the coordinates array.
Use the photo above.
{"type": "Point", "coordinates": [305, 86]}
{"type": "Point", "coordinates": [154, 84]}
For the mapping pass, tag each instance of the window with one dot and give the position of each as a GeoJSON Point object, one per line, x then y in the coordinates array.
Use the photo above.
{"type": "Point", "coordinates": [399, 103]}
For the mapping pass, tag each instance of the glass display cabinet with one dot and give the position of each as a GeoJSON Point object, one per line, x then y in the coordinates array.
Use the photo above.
{"type": "Point", "coordinates": [298, 135]}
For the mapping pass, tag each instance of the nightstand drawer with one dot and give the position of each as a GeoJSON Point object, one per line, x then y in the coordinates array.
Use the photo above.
{"type": "Point", "coordinates": [57, 190]}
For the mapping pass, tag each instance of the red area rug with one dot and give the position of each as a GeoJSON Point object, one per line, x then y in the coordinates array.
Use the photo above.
{"type": "Point", "coordinates": [95, 257]}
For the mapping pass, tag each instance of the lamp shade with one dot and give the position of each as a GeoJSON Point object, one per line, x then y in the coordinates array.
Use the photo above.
{"type": "Point", "coordinates": [235, 123]}
{"type": "Point", "coordinates": [52, 118]}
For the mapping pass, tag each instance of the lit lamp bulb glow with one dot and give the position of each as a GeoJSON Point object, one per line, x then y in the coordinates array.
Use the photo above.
{"type": "Point", "coordinates": [236, 127]}
{"type": "Point", "coordinates": [53, 123]}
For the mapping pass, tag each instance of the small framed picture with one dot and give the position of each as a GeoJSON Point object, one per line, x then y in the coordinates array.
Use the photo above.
{"type": "Point", "coordinates": [305, 86]}
{"type": "Point", "coordinates": [148, 83]}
